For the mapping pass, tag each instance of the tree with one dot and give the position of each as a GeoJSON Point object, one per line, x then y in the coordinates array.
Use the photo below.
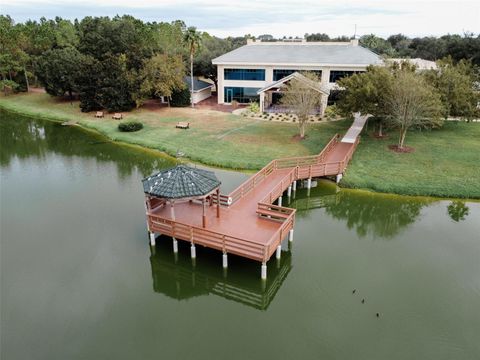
{"type": "Point", "coordinates": [377, 44]}
{"type": "Point", "coordinates": [368, 93]}
{"type": "Point", "coordinates": [212, 47]}
{"type": "Point", "coordinates": [161, 75]}
{"type": "Point", "coordinates": [456, 85]}
{"type": "Point", "coordinates": [412, 103]}
{"type": "Point", "coordinates": [302, 97]}
{"type": "Point", "coordinates": [317, 37]}
{"type": "Point", "coordinates": [192, 39]}
{"type": "Point", "coordinates": [457, 210]}
{"type": "Point", "coordinates": [57, 70]}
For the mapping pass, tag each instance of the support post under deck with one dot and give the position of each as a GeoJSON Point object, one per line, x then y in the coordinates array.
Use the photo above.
{"type": "Point", "coordinates": [279, 251]}
{"type": "Point", "coordinates": [152, 238]}
{"type": "Point", "coordinates": [290, 235]}
{"type": "Point", "coordinates": [193, 251]}
{"type": "Point", "coordinates": [264, 271]}
{"type": "Point", "coordinates": [225, 260]}
{"type": "Point", "coordinates": [280, 201]}
{"type": "Point", "coordinates": [339, 178]}
{"type": "Point", "coordinates": [175, 246]}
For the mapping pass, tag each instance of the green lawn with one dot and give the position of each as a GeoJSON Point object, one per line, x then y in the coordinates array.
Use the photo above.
{"type": "Point", "coordinates": [214, 138]}
{"type": "Point", "coordinates": [445, 162]}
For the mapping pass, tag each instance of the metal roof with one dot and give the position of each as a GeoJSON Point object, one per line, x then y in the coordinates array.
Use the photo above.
{"type": "Point", "coordinates": [198, 85]}
{"type": "Point", "coordinates": [181, 181]}
{"type": "Point", "coordinates": [301, 53]}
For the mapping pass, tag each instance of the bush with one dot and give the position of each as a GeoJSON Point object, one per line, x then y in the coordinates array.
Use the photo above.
{"type": "Point", "coordinates": [331, 112]}
{"type": "Point", "coordinates": [130, 126]}
{"type": "Point", "coordinates": [180, 98]}
{"type": "Point", "coordinates": [8, 86]}
{"type": "Point", "coordinates": [254, 107]}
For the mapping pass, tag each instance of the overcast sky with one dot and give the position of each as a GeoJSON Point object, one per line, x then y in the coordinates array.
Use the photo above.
{"type": "Point", "coordinates": [276, 17]}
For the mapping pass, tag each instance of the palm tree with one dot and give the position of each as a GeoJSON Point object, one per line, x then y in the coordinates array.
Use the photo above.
{"type": "Point", "coordinates": [192, 39]}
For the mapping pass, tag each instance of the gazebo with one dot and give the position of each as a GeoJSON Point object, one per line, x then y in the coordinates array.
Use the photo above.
{"type": "Point", "coordinates": [181, 183]}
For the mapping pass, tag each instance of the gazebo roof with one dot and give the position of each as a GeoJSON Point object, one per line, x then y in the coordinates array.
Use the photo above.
{"type": "Point", "coordinates": [181, 181]}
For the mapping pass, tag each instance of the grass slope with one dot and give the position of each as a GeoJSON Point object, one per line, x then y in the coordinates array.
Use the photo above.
{"type": "Point", "coordinates": [446, 163]}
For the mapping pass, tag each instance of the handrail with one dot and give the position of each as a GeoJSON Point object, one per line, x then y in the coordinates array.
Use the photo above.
{"type": "Point", "coordinates": [247, 186]}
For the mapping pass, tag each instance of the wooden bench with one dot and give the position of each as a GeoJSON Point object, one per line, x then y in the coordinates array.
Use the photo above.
{"type": "Point", "coordinates": [99, 114]}
{"type": "Point", "coordinates": [274, 215]}
{"type": "Point", "coordinates": [182, 125]}
{"type": "Point", "coordinates": [117, 116]}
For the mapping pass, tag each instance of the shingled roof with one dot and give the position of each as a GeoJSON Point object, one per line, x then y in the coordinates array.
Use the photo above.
{"type": "Point", "coordinates": [181, 181]}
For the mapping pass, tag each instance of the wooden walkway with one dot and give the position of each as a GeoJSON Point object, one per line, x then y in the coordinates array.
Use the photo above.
{"type": "Point", "coordinates": [251, 224]}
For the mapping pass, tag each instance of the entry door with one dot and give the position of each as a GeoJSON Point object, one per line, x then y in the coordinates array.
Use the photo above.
{"type": "Point", "coordinates": [229, 95]}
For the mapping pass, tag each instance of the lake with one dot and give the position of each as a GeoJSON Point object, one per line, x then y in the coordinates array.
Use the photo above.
{"type": "Point", "coordinates": [80, 281]}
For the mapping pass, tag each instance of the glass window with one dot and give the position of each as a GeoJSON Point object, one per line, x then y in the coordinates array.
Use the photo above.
{"type": "Point", "coordinates": [336, 75]}
{"type": "Point", "coordinates": [244, 74]}
{"type": "Point", "coordinates": [281, 73]}
{"type": "Point", "coordinates": [243, 95]}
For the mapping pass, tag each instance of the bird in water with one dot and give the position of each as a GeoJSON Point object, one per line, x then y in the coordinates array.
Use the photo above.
{"type": "Point", "coordinates": [354, 291]}
{"type": "Point", "coordinates": [378, 315]}
{"type": "Point", "coordinates": [363, 301]}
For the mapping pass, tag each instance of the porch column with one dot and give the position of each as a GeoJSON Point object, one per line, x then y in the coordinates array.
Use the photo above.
{"type": "Point", "coordinates": [218, 202]}
{"type": "Point", "coordinates": [262, 102]}
{"type": "Point", "coordinates": [204, 217]}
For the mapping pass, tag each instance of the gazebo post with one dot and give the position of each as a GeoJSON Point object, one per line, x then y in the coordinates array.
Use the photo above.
{"type": "Point", "coordinates": [218, 202]}
{"type": "Point", "coordinates": [204, 217]}
{"type": "Point", "coordinates": [172, 210]}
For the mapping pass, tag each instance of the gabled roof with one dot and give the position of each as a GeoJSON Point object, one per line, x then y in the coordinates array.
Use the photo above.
{"type": "Point", "coordinates": [311, 54]}
{"type": "Point", "coordinates": [198, 85]}
{"type": "Point", "coordinates": [296, 75]}
{"type": "Point", "coordinates": [181, 181]}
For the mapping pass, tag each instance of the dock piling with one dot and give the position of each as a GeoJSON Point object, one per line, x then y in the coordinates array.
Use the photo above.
{"type": "Point", "coordinates": [295, 185]}
{"type": "Point", "coordinates": [152, 238]}
{"type": "Point", "coordinates": [193, 251]}
{"type": "Point", "coordinates": [175, 245]}
{"type": "Point", "coordinates": [289, 191]}
{"type": "Point", "coordinates": [279, 252]}
{"type": "Point", "coordinates": [290, 235]}
{"type": "Point", "coordinates": [309, 183]}
{"type": "Point", "coordinates": [280, 201]}
{"type": "Point", "coordinates": [339, 178]}
{"type": "Point", "coordinates": [264, 271]}
{"type": "Point", "coordinates": [225, 260]}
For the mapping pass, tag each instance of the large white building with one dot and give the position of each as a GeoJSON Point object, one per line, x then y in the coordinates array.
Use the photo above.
{"type": "Point", "coordinates": [254, 72]}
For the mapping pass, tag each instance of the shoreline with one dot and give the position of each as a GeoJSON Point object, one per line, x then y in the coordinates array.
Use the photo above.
{"type": "Point", "coordinates": [346, 184]}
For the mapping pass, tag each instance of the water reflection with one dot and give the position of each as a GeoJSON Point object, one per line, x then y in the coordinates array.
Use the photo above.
{"type": "Point", "coordinates": [25, 138]}
{"type": "Point", "coordinates": [458, 210]}
{"type": "Point", "coordinates": [174, 275]}
{"type": "Point", "coordinates": [379, 215]}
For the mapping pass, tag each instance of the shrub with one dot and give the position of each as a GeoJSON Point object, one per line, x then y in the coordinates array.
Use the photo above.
{"type": "Point", "coordinates": [331, 112]}
{"type": "Point", "coordinates": [180, 98]}
{"type": "Point", "coordinates": [8, 86]}
{"type": "Point", "coordinates": [130, 126]}
{"type": "Point", "coordinates": [254, 107]}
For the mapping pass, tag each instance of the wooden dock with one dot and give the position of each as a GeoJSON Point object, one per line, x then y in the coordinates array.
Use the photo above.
{"type": "Point", "coordinates": [253, 222]}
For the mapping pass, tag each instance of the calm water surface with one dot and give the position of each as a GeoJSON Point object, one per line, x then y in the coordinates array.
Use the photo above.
{"type": "Point", "coordinates": [79, 281]}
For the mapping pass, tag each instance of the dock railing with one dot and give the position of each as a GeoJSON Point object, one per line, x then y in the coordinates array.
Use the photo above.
{"type": "Point", "coordinates": [197, 235]}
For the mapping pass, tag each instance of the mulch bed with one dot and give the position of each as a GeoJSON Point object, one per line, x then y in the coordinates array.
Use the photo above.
{"type": "Point", "coordinates": [379, 137]}
{"type": "Point", "coordinates": [405, 149]}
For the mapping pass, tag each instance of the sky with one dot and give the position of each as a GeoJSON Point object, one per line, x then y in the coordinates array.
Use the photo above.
{"type": "Point", "coordinates": [276, 17]}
